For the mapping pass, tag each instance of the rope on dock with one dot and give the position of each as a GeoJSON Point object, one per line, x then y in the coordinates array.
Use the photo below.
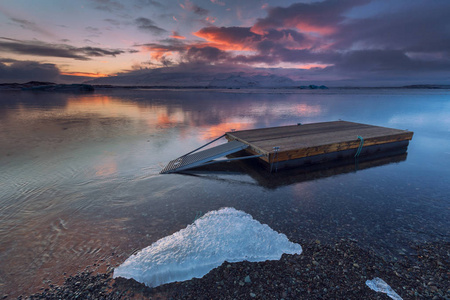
{"type": "Point", "coordinates": [275, 159]}
{"type": "Point", "coordinates": [361, 143]}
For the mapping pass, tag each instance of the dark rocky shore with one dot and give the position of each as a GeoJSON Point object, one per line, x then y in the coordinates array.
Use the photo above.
{"type": "Point", "coordinates": [336, 271]}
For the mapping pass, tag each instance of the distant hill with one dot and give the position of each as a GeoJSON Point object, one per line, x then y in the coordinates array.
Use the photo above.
{"type": "Point", "coordinates": [47, 87]}
{"type": "Point", "coordinates": [155, 78]}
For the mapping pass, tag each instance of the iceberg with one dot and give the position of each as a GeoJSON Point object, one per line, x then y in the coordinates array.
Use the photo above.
{"type": "Point", "coordinates": [379, 285]}
{"type": "Point", "coordinates": [223, 235]}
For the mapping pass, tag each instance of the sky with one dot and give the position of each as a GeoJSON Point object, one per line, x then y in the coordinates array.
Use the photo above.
{"type": "Point", "coordinates": [337, 42]}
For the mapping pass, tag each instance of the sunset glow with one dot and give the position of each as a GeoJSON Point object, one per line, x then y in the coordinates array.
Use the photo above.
{"type": "Point", "coordinates": [354, 40]}
{"type": "Point", "coordinates": [84, 74]}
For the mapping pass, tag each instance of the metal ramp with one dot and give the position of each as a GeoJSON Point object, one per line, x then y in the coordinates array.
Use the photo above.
{"type": "Point", "coordinates": [194, 159]}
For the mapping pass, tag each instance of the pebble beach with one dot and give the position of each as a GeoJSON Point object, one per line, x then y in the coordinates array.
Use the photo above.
{"type": "Point", "coordinates": [322, 271]}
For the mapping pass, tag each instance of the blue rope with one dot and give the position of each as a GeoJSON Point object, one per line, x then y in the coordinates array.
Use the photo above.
{"type": "Point", "coordinates": [358, 152]}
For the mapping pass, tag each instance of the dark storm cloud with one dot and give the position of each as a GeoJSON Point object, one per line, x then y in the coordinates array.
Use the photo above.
{"type": "Point", "coordinates": [345, 38]}
{"type": "Point", "coordinates": [37, 48]}
{"type": "Point", "coordinates": [316, 14]}
{"type": "Point", "coordinates": [7, 60]}
{"type": "Point", "coordinates": [270, 53]}
{"type": "Point", "coordinates": [206, 54]}
{"type": "Point", "coordinates": [278, 35]}
{"type": "Point", "coordinates": [98, 52]}
{"type": "Point", "coordinates": [166, 46]}
{"type": "Point", "coordinates": [414, 38]}
{"type": "Point", "coordinates": [242, 38]}
{"type": "Point", "coordinates": [386, 61]}
{"type": "Point", "coordinates": [148, 25]}
{"type": "Point", "coordinates": [23, 71]}
{"type": "Point", "coordinates": [423, 28]}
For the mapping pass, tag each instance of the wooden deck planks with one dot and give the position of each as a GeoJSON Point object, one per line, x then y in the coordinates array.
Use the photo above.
{"type": "Point", "coordinates": [294, 130]}
{"type": "Point", "coordinates": [300, 141]}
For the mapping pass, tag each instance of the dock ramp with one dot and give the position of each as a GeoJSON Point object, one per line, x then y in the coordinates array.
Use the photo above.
{"type": "Point", "coordinates": [195, 159]}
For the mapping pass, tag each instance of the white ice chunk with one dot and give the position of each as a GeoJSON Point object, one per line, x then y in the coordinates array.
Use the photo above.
{"type": "Point", "coordinates": [379, 285]}
{"type": "Point", "coordinates": [223, 235]}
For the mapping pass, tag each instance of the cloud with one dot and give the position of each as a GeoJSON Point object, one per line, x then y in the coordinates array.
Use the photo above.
{"type": "Point", "coordinates": [37, 48]}
{"type": "Point", "coordinates": [386, 61]}
{"type": "Point", "coordinates": [229, 38]}
{"type": "Point", "coordinates": [148, 25]}
{"type": "Point", "coordinates": [160, 52]}
{"type": "Point", "coordinates": [206, 54]}
{"type": "Point", "coordinates": [192, 7]}
{"type": "Point", "coordinates": [93, 31]}
{"type": "Point", "coordinates": [168, 45]}
{"type": "Point", "coordinates": [218, 2]}
{"type": "Point", "coordinates": [149, 3]}
{"type": "Point", "coordinates": [108, 5]}
{"type": "Point", "coordinates": [25, 24]}
{"type": "Point", "coordinates": [24, 71]}
{"type": "Point", "coordinates": [414, 29]}
{"type": "Point", "coordinates": [319, 17]}
{"type": "Point", "coordinates": [348, 39]}
{"type": "Point", "coordinates": [176, 35]}
{"type": "Point", "coordinates": [112, 21]}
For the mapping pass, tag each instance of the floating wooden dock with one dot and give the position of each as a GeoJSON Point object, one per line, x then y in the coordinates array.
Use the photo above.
{"type": "Point", "coordinates": [318, 142]}
{"type": "Point", "coordinates": [296, 145]}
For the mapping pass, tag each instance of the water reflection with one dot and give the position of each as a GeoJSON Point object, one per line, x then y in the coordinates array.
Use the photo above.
{"type": "Point", "coordinates": [262, 177]}
{"type": "Point", "coordinates": [80, 182]}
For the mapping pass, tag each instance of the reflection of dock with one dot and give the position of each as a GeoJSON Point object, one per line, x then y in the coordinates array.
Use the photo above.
{"type": "Point", "coordinates": [301, 174]}
{"type": "Point", "coordinates": [301, 145]}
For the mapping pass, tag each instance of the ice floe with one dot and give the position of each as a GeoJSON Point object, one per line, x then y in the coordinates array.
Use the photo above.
{"type": "Point", "coordinates": [223, 235]}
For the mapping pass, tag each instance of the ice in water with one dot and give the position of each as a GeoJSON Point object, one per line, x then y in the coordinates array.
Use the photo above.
{"type": "Point", "coordinates": [379, 285]}
{"type": "Point", "coordinates": [223, 235]}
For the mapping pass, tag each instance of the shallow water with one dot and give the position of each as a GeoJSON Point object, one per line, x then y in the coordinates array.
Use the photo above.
{"type": "Point", "coordinates": [80, 183]}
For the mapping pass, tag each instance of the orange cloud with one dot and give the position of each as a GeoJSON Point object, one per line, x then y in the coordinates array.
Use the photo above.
{"type": "Point", "coordinates": [84, 74]}
{"type": "Point", "coordinates": [237, 39]}
{"type": "Point", "coordinates": [210, 19]}
{"type": "Point", "coordinates": [322, 30]}
{"type": "Point", "coordinates": [175, 35]}
{"type": "Point", "coordinates": [312, 66]}
{"type": "Point", "coordinates": [157, 55]}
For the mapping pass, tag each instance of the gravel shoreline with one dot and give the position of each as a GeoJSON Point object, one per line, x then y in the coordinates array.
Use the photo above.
{"type": "Point", "coordinates": [336, 271]}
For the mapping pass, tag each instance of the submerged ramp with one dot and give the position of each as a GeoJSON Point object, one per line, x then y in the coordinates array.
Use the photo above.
{"type": "Point", "coordinates": [199, 158]}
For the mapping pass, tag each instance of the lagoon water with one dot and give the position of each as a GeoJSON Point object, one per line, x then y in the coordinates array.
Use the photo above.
{"type": "Point", "coordinates": [80, 183]}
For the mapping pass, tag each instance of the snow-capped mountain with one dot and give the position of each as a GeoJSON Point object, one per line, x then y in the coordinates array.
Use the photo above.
{"type": "Point", "coordinates": [158, 78]}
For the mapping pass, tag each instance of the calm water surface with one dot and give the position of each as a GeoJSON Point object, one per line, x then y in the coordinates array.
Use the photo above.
{"type": "Point", "coordinates": [80, 183]}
